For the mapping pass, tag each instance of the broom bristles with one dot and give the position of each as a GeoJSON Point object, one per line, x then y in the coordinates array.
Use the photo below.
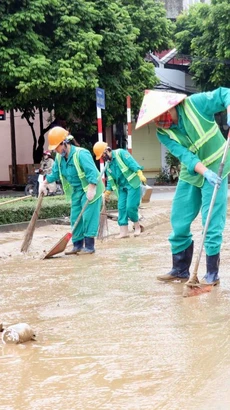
{"type": "Point", "coordinates": [31, 227]}
{"type": "Point", "coordinates": [103, 224]}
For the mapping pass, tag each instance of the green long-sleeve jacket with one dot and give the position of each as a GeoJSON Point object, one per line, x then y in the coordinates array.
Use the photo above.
{"type": "Point", "coordinates": [115, 171]}
{"type": "Point", "coordinates": [69, 171]}
{"type": "Point", "coordinates": [207, 104]}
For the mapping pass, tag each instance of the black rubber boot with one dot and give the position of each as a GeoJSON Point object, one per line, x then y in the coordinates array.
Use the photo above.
{"type": "Point", "coordinates": [212, 264]}
{"type": "Point", "coordinates": [181, 263]}
{"type": "Point", "coordinates": [77, 247]}
{"type": "Point", "coordinates": [89, 246]}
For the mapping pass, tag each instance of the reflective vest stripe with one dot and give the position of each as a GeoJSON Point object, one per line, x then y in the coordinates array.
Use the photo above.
{"type": "Point", "coordinates": [193, 119]}
{"type": "Point", "coordinates": [203, 136]}
{"type": "Point", "coordinates": [81, 173]}
{"type": "Point", "coordinates": [123, 167]}
{"type": "Point", "coordinates": [171, 134]}
{"type": "Point", "coordinates": [214, 156]}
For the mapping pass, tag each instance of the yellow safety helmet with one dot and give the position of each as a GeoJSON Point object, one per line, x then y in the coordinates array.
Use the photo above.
{"type": "Point", "coordinates": [99, 148]}
{"type": "Point", "coordinates": [56, 136]}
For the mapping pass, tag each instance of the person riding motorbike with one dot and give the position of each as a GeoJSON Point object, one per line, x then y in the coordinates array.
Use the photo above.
{"type": "Point", "coordinates": [46, 165]}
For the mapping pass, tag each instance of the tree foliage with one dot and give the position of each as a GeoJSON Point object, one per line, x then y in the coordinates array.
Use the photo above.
{"type": "Point", "coordinates": [54, 53]}
{"type": "Point", "coordinates": [204, 33]}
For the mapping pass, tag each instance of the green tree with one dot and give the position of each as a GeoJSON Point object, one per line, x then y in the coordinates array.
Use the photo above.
{"type": "Point", "coordinates": [204, 33]}
{"type": "Point", "coordinates": [54, 53]}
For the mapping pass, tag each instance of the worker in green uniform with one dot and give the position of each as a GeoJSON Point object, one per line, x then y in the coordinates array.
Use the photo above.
{"type": "Point", "coordinates": [81, 181]}
{"type": "Point", "coordinates": [187, 127]}
{"type": "Point", "coordinates": [124, 177]}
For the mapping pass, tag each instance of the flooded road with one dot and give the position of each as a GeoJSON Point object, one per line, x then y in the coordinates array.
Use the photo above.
{"type": "Point", "coordinates": [109, 335]}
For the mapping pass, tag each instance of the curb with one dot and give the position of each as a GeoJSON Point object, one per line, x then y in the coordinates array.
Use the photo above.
{"type": "Point", "coordinates": [40, 222]}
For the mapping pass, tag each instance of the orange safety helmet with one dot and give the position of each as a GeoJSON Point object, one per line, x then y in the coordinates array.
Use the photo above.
{"type": "Point", "coordinates": [99, 148]}
{"type": "Point", "coordinates": [56, 136]}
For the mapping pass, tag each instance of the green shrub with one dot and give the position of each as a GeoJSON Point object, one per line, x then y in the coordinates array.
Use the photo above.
{"type": "Point", "coordinates": [52, 207]}
{"type": "Point", "coordinates": [163, 177]}
{"type": "Point", "coordinates": [22, 211]}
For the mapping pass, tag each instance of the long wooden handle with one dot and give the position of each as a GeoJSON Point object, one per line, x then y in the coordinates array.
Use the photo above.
{"type": "Point", "coordinates": [79, 216]}
{"type": "Point", "coordinates": [87, 202]}
{"type": "Point", "coordinates": [21, 198]}
{"type": "Point", "coordinates": [193, 277]}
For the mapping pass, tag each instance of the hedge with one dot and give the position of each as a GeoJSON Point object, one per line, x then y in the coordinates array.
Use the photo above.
{"type": "Point", "coordinates": [52, 207]}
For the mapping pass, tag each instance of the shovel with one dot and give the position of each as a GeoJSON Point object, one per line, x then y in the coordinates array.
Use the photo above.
{"type": "Point", "coordinates": [193, 287]}
{"type": "Point", "coordinates": [61, 245]}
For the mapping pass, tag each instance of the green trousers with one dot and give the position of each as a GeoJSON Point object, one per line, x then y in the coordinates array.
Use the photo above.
{"type": "Point", "coordinates": [187, 203]}
{"type": "Point", "coordinates": [128, 203]}
{"type": "Point", "coordinates": [89, 223]}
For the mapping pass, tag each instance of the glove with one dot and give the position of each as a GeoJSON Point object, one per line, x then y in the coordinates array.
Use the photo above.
{"type": "Point", "coordinates": [212, 178]}
{"type": "Point", "coordinates": [91, 192]}
{"type": "Point", "coordinates": [141, 176]}
{"type": "Point", "coordinates": [43, 188]}
{"type": "Point", "coordinates": [107, 195]}
{"type": "Point", "coordinates": [228, 119]}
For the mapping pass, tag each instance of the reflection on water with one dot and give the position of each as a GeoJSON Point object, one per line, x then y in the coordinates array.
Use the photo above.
{"type": "Point", "coordinates": [109, 336]}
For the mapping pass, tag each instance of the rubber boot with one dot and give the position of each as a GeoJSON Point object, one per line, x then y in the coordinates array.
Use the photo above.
{"type": "Point", "coordinates": [77, 247]}
{"type": "Point", "coordinates": [212, 264]}
{"type": "Point", "coordinates": [181, 263]}
{"type": "Point", "coordinates": [123, 232]}
{"type": "Point", "coordinates": [89, 246]}
{"type": "Point", "coordinates": [137, 228]}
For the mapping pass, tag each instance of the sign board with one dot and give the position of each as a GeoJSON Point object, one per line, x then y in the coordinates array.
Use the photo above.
{"type": "Point", "coordinates": [2, 114]}
{"type": "Point", "coordinates": [100, 98]}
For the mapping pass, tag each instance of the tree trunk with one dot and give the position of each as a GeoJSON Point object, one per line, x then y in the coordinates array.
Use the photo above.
{"type": "Point", "coordinates": [13, 148]}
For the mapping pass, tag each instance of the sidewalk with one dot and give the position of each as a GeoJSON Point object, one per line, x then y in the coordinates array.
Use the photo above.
{"type": "Point", "coordinates": [11, 193]}
{"type": "Point", "coordinates": [160, 192]}
{"type": "Point", "coordinates": [163, 192]}
{"type": "Point", "coordinates": [167, 192]}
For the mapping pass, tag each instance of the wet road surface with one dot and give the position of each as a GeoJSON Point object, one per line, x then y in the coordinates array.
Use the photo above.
{"type": "Point", "coordinates": [109, 335]}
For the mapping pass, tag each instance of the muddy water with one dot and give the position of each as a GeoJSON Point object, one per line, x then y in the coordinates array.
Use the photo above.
{"type": "Point", "coordinates": [109, 335]}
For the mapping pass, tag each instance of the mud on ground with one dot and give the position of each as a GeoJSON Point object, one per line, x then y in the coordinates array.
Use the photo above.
{"type": "Point", "coordinates": [109, 335]}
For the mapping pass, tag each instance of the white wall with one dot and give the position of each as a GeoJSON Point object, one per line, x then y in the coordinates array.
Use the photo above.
{"type": "Point", "coordinates": [189, 3]}
{"type": "Point", "coordinates": [176, 7]}
{"type": "Point", "coordinates": [147, 149]}
{"type": "Point", "coordinates": [175, 78]}
{"type": "Point", "coordinates": [24, 143]}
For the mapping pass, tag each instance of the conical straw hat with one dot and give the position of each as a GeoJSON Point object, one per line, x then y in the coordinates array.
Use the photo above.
{"type": "Point", "coordinates": [156, 103]}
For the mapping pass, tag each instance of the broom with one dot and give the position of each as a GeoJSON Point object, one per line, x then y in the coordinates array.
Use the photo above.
{"type": "Point", "coordinates": [103, 224]}
{"type": "Point", "coordinates": [31, 227]}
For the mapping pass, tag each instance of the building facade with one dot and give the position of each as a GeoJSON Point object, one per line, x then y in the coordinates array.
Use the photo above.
{"type": "Point", "coordinates": [175, 7]}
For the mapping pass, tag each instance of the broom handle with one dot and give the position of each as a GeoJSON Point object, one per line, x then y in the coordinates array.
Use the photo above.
{"type": "Point", "coordinates": [87, 202]}
{"type": "Point", "coordinates": [80, 215]}
{"type": "Point", "coordinates": [15, 200]}
{"type": "Point", "coordinates": [220, 171]}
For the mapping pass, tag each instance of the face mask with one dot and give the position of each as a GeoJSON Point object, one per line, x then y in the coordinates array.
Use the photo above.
{"type": "Point", "coordinates": [164, 121]}
{"type": "Point", "coordinates": [106, 157]}
{"type": "Point", "coordinates": [63, 152]}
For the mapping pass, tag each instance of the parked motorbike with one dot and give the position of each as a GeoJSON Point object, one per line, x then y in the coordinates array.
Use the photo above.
{"type": "Point", "coordinates": [32, 187]}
